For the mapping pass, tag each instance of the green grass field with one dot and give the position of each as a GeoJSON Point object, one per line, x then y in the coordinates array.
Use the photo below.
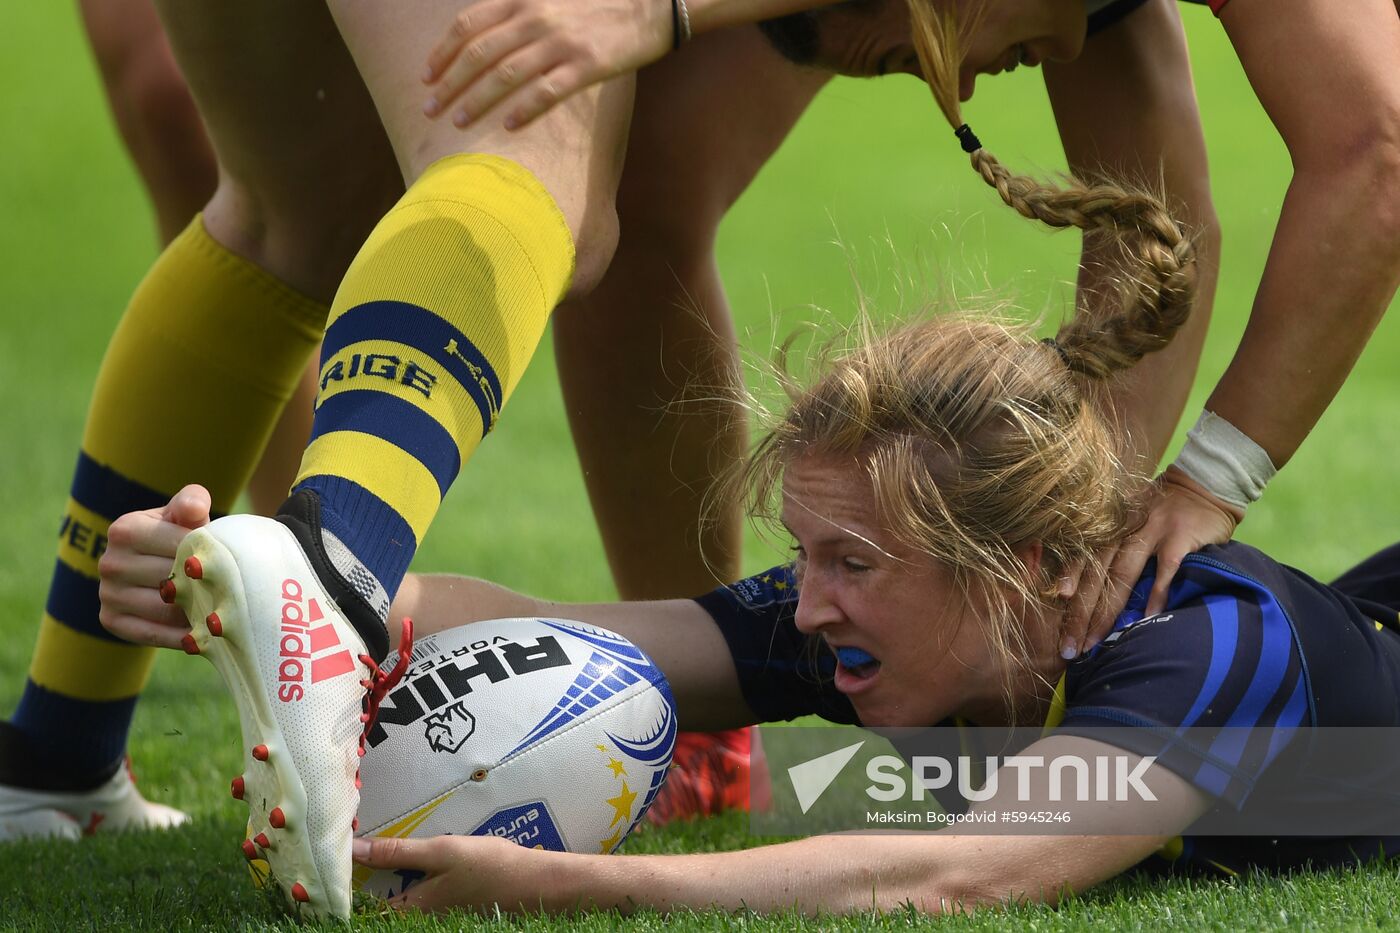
{"type": "Point", "coordinates": [871, 165]}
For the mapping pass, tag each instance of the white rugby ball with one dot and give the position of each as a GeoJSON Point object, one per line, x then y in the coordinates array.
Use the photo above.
{"type": "Point", "coordinates": [550, 733]}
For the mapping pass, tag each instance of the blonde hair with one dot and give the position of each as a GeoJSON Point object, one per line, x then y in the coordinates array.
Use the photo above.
{"type": "Point", "coordinates": [977, 438]}
{"type": "Point", "coordinates": [1158, 282]}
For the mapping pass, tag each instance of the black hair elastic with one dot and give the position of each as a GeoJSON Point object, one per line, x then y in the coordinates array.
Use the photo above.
{"type": "Point", "coordinates": [1054, 344]}
{"type": "Point", "coordinates": [970, 142]}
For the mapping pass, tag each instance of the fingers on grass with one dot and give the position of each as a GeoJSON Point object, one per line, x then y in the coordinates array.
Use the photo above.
{"type": "Point", "coordinates": [393, 852]}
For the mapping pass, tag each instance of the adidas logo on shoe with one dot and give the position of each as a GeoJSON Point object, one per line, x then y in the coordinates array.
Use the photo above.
{"type": "Point", "coordinates": [302, 645]}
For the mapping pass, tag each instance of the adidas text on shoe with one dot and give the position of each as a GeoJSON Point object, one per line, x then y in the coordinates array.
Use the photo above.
{"type": "Point", "coordinates": [298, 673]}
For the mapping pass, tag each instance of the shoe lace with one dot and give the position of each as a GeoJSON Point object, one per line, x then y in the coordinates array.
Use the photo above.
{"type": "Point", "coordinates": [378, 684]}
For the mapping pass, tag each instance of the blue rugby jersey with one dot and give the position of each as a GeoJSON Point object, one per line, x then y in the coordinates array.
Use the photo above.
{"type": "Point", "coordinates": [1244, 642]}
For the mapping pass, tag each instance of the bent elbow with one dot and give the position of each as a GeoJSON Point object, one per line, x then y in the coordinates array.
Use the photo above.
{"type": "Point", "coordinates": [1379, 165]}
{"type": "Point", "coordinates": [1363, 176]}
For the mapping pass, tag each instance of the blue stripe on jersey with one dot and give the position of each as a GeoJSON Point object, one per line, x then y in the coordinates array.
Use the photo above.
{"type": "Point", "coordinates": [73, 601]}
{"type": "Point", "coordinates": [1224, 624]}
{"type": "Point", "coordinates": [1182, 590]}
{"type": "Point", "coordinates": [401, 423]}
{"type": "Point", "coordinates": [1289, 720]}
{"type": "Point", "coordinates": [103, 490]}
{"type": "Point", "coordinates": [1257, 587]}
{"type": "Point", "coordinates": [1212, 779]}
{"type": "Point", "coordinates": [420, 328]}
{"type": "Point", "coordinates": [1274, 654]}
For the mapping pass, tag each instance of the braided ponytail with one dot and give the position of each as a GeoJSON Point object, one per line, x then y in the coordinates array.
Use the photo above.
{"type": "Point", "coordinates": [1158, 283]}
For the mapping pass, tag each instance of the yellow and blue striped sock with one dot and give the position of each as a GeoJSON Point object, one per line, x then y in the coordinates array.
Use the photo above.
{"type": "Point", "coordinates": [432, 328]}
{"type": "Point", "coordinates": [198, 371]}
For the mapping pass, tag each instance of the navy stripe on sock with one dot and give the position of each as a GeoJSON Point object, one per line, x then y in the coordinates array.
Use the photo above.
{"type": "Point", "coordinates": [418, 327]}
{"type": "Point", "coordinates": [83, 735]}
{"type": "Point", "coordinates": [376, 534]}
{"type": "Point", "coordinates": [401, 423]}
{"type": "Point", "coordinates": [103, 490]}
{"type": "Point", "coordinates": [73, 601]}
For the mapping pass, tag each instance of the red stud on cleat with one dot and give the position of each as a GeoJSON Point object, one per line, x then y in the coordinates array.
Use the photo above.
{"type": "Point", "coordinates": [354, 824]}
{"type": "Point", "coordinates": [261, 840]}
{"type": "Point", "coordinates": [260, 752]}
{"type": "Point", "coordinates": [189, 645]}
{"type": "Point", "coordinates": [250, 852]}
{"type": "Point", "coordinates": [299, 893]}
{"type": "Point", "coordinates": [167, 591]}
{"type": "Point", "coordinates": [215, 624]}
{"type": "Point", "coordinates": [193, 569]}
{"type": "Point", "coordinates": [237, 788]}
{"type": "Point", "coordinates": [277, 818]}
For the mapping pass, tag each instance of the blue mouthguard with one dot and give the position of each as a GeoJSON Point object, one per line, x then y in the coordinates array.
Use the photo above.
{"type": "Point", "coordinates": [853, 657]}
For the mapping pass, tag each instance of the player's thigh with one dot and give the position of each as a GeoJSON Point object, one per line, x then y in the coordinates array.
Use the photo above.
{"type": "Point", "coordinates": [706, 121]}
{"type": "Point", "coordinates": [152, 108]}
{"type": "Point", "coordinates": [305, 167]}
{"type": "Point", "coordinates": [124, 35]}
{"type": "Point", "coordinates": [576, 150]}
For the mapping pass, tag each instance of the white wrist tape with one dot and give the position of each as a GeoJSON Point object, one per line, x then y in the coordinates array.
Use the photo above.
{"type": "Point", "coordinates": [1225, 461]}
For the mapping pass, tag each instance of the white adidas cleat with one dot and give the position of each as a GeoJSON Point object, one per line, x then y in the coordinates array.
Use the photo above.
{"type": "Point", "coordinates": [294, 665]}
{"type": "Point", "coordinates": [115, 806]}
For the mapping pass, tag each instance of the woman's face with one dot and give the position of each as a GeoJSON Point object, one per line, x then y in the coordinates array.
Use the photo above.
{"type": "Point", "coordinates": [1012, 32]}
{"type": "Point", "coordinates": [861, 589]}
{"type": "Point", "coordinates": [872, 37]}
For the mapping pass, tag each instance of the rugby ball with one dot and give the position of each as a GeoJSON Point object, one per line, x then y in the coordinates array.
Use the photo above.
{"type": "Point", "coordinates": [550, 733]}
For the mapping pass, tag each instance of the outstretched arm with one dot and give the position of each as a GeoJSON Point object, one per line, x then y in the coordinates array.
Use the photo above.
{"type": "Point", "coordinates": [678, 635]}
{"type": "Point", "coordinates": [935, 872]}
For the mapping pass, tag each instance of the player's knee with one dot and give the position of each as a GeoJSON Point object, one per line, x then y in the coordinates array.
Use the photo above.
{"type": "Point", "coordinates": [595, 242]}
{"type": "Point", "coordinates": [304, 238]}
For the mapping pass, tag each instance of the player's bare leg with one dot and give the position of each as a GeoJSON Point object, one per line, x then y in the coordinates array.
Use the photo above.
{"type": "Point", "coordinates": [575, 152]}
{"type": "Point", "coordinates": [152, 108]}
{"type": "Point", "coordinates": [649, 362]}
{"type": "Point", "coordinates": [659, 322]}
{"type": "Point", "coordinates": [204, 315]}
{"type": "Point", "coordinates": [234, 308]}
{"type": "Point", "coordinates": [431, 326]}
{"type": "Point", "coordinates": [158, 122]}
